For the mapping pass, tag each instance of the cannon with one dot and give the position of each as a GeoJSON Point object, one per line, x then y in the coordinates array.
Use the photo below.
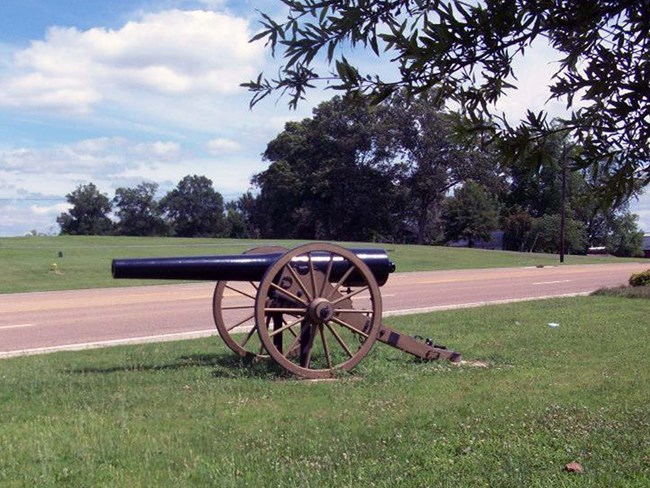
{"type": "Point", "coordinates": [315, 309]}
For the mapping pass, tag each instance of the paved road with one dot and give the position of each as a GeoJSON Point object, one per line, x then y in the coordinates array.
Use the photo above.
{"type": "Point", "coordinates": [32, 323]}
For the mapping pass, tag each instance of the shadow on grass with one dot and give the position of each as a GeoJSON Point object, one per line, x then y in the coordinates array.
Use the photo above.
{"type": "Point", "coordinates": [232, 366]}
{"type": "Point", "coordinates": [625, 292]}
{"type": "Point", "coordinates": [226, 366]}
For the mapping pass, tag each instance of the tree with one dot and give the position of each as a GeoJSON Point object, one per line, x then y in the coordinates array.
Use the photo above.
{"type": "Point", "coordinates": [471, 214]}
{"type": "Point", "coordinates": [235, 222]}
{"type": "Point", "coordinates": [421, 143]}
{"type": "Point", "coordinates": [194, 208]}
{"type": "Point", "coordinates": [624, 237]}
{"type": "Point", "coordinates": [545, 235]}
{"type": "Point", "coordinates": [516, 224]}
{"type": "Point", "coordinates": [138, 211]}
{"type": "Point", "coordinates": [324, 181]}
{"type": "Point", "coordinates": [243, 219]}
{"type": "Point", "coordinates": [89, 212]}
{"type": "Point", "coordinates": [467, 51]}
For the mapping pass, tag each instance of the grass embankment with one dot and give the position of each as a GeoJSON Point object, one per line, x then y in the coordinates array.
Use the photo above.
{"type": "Point", "coordinates": [84, 262]}
{"type": "Point", "coordinates": [189, 414]}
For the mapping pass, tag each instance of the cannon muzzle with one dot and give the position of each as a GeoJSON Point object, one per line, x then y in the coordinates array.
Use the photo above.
{"type": "Point", "coordinates": [247, 267]}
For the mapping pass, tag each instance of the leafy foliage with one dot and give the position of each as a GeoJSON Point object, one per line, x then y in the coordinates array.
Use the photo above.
{"type": "Point", "coordinates": [89, 212]}
{"type": "Point", "coordinates": [355, 172]}
{"type": "Point", "coordinates": [470, 215]}
{"type": "Point", "coordinates": [465, 52]}
{"type": "Point", "coordinates": [429, 159]}
{"type": "Point", "coordinates": [640, 279]}
{"type": "Point", "coordinates": [623, 237]}
{"type": "Point", "coordinates": [194, 208]}
{"type": "Point", "coordinates": [324, 180]}
{"type": "Point", "coordinates": [138, 211]}
{"type": "Point", "coordinates": [545, 235]}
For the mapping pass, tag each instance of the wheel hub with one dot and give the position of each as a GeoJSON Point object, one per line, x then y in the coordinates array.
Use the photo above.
{"type": "Point", "coordinates": [320, 310]}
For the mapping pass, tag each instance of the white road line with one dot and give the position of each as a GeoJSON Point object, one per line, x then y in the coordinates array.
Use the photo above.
{"type": "Point", "coordinates": [15, 326]}
{"type": "Point", "coordinates": [551, 282]}
{"type": "Point", "coordinates": [210, 332]}
{"type": "Point", "coordinates": [396, 313]}
{"type": "Point", "coordinates": [117, 342]}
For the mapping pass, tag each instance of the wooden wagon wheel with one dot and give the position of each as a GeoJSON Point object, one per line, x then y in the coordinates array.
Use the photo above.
{"type": "Point", "coordinates": [236, 321]}
{"type": "Point", "coordinates": [312, 317]}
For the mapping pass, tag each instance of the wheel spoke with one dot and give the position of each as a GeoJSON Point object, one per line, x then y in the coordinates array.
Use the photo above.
{"type": "Point", "coordinates": [288, 326]}
{"type": "Point", "coordinates": [350, 327]}
{"type": "Point", "coordinates": [238, 307]}
{"type": "Point", "coordinates": [350, 295]}
{"type": "Point", "coordinates": [312, 274]}
{"type": "Point", "coordinates": [237, 290]}
{"type": "Point", "coordinates": [326, 349]}
{"type": "Point", "coordinates": [290, 330]}
{"type": "Point", "coordinates": [341, 281]}
{"type": "Point", "coordinates": [293, 346]}
{"type": "Point", "coordinates": [250, 334]}
{"type": "Point", "coordinates": [289, 311]}
{"type": "Point", "coordinates": [339, 340]}
{"type": "Point", "coordinates": [328, 272]}
{"type": "Point", "coordinates": [306, 362]}
{"type": "Point", "coordinates": [353, 310]}
{"type": "Point", "coordinates": [240, 322]}
{"type": "Point", "coordinates": [289, 294]}
{"type": "Point", "coordinates": [300, 284]}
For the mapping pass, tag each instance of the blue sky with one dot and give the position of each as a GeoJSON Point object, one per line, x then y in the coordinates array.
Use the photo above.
{"type": "Point", "coordinates": [119, 92]}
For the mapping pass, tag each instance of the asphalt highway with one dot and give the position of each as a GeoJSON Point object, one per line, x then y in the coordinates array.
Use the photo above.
{"type": "Point", "coordinates": [34, 323]}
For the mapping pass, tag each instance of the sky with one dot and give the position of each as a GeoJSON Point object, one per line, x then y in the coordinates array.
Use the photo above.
{"type": "Point", "coordinates": [124, 91]}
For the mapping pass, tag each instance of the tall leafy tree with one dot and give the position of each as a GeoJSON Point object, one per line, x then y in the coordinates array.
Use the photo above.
{"type": "Point", "coordinates": [471, 214]}
{"type": "Point", "coordinates": [323, 180]}
{"type": "Point", "coordinates": [194, 208]}
{"type": "Point", "coordinates": [420, 141]}
{"type": "Point", "coordinates": [467, 52]}
{"type": "Point", "coordinates": [243, 219]}
{"type": "Point", "coordinates": [544, 235]}
{"type": "Point", "coordinates": [88, 214]}
{"type": "Point", "coordinates": [623, 237]}
{"type": "Point", "coordinates": [138, 211]}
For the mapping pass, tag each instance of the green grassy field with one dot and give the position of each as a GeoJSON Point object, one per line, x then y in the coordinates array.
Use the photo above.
{"type": "Point", "coordinates": [189, 414]}
{"type": "Point", "coordinates": [84, 262]}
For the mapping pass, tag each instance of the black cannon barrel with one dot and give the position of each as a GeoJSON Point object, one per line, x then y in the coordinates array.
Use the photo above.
{"type": "Point", "coordinates": [245, 267]}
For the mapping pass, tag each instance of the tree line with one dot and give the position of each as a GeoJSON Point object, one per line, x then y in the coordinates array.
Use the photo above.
{"type": "Point", "coordinates": [405, 171]}
{"type": "Point", "coordinates": [192, 209]}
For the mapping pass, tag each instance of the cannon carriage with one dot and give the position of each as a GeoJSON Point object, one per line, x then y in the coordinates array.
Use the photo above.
{"type": "Point", "coordinates": [315, 309]}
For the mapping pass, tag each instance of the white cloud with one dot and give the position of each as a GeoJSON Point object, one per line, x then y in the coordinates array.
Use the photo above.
{"type": "Point", "coordinates": [49, 210]}
{"type": "Point", "coordinates": [165, 150]}
{"type": "Point", "coordinates": [182, 53]}
{"type": "Point", "coordinates": [20, 217]}
{"type": "Point", "coordinates": [641, 207]}
{"type": "Point", "coordinates": [534, 73]}
{"type": "Point", "coordinates": [57, 170]}
{"type": "Point", "coordinates": [220, 145]}
{"type": "Point", "coordinates": [212, 4]}
{"type": "Point", "coordinates": [33, 181]}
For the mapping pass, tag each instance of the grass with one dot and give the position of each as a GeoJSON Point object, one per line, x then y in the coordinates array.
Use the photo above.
{"type": "Point", "coordinates": [84, 262]}
{"type": "Point", "coordinates": [189, 414]}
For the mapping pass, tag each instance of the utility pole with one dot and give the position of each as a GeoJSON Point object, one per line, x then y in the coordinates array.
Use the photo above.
{"type": "Point", "coordinates": [563, 211]}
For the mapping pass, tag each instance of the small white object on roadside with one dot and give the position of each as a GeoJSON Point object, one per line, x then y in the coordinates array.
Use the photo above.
{"type": "Point", "coordinates": [553, 324]}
